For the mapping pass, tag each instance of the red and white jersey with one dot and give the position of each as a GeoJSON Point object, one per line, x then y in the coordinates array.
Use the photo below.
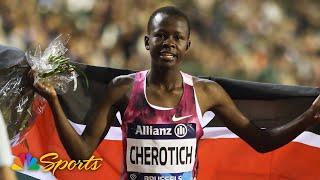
{"type": "Point", "coordinates": [160, 143]}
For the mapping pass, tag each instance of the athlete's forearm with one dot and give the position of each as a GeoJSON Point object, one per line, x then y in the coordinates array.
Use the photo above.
{"type": "Point", "coordinates": [73, 143]}
{"type": "Point", "coordinates": [276, 137]}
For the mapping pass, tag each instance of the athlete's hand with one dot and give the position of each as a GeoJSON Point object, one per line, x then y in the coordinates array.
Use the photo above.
{"type": "Point", "coordinates": [315, 107]}
{"type": "Point", "coordinates": [44, 89]}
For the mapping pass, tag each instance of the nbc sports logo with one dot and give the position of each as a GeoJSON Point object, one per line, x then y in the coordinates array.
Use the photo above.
{"type": "Point", "coordinates": [25, 161]}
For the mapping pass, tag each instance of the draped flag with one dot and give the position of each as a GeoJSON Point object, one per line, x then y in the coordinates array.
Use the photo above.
{"type": "Point", "coordinates": [222, 155]}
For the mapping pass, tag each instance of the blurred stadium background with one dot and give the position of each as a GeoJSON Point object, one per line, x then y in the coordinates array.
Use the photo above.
{"type": "Point", "coordinates": [267, 41]}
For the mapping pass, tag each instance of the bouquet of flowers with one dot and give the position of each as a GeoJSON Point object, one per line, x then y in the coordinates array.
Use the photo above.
{"type": "Point", "coordinates": [52, 66]}
{"type": "Point", "coordinates": [17, 97]}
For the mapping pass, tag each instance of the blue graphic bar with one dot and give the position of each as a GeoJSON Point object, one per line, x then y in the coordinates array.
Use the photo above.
{"type": "Point", "coordinates": [162, 131]}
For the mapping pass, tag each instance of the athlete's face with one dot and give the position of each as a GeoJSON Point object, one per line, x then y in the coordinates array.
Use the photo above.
{"type": "Point", "coordinates": [168, 40]}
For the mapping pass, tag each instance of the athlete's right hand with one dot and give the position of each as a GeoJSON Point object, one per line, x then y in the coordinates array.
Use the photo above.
{"type": "Point", "coordinates": [44, 89]}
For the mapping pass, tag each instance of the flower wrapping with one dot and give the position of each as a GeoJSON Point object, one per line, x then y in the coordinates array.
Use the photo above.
{"type": "Point", "coordinates": [52, 67]}
{"type": "Point", "coordinates": [17, 96]}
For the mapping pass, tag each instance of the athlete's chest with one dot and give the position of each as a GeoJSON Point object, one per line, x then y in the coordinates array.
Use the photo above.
{"type": "Point", "coordinates": [161, 143]}
{"type": "Point", "coordinates": [164, 98]}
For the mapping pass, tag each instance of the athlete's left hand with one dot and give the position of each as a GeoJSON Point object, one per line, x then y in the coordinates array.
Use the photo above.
{"type": "Point", "coordinates": [315, 107]}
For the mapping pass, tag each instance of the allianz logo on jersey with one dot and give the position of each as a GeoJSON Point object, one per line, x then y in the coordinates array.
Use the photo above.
{"type": "Point", "coordinates": [178, 130]}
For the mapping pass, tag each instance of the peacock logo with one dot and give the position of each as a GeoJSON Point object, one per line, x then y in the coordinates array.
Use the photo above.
{"type": "Point", "coordinates": [25, 161]}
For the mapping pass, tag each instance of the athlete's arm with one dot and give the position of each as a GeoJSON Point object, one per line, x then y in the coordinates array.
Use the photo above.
{"type": "Point", "coordinates": [262, 140]}
{"type": "Point", "coordinates": [82, 147]}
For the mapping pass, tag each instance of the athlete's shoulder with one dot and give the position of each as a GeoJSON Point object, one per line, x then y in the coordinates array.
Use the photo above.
{"type": "Point", "coordinates": [205, 85]}
{"type": "Point", "coordinates": [122, 81]}
{"type": "Point", "coordinates": [208, 92]}
{"type": "Point", "coordinates": [120, 86]}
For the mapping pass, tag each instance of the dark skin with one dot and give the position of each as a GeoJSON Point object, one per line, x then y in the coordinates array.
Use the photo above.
{"type": "Point", "coordinates": [168, 42]}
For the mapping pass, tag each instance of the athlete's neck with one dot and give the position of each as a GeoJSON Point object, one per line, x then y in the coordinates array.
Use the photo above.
{"type": "Point", "coordinates": [168, 79]}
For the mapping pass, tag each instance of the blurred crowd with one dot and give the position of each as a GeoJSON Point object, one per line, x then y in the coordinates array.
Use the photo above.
{"type": "Point", "coordinates": [266, 41]}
